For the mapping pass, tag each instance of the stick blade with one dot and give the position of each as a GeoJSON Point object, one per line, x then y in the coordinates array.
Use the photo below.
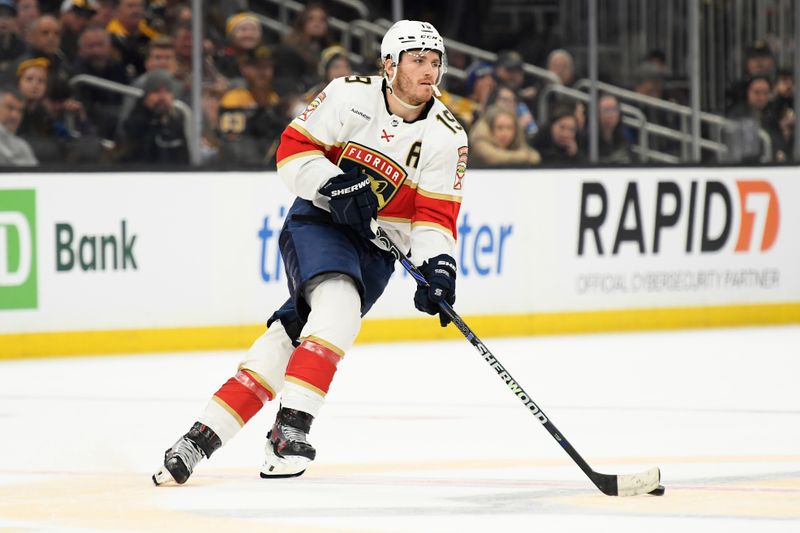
{"type": "Point", "coordinates": [638, 484]}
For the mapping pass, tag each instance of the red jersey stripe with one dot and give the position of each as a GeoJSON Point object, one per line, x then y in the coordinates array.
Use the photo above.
{"type": "Point", "coordinates": [293, 143]}
{"type": "Point", "coordinates": [436, 210]}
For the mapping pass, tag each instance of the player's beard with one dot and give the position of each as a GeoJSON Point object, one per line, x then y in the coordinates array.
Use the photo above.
{"type": "Point", "coordinates": [410, 92]}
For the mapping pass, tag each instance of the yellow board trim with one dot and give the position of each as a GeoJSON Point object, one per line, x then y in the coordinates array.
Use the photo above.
{"type": "Point", "coordinates": [423, 328]}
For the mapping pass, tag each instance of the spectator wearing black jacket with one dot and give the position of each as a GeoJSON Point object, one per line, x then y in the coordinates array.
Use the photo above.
{"type": "Point", "coordinates": [250, 124]}
{"type": "Point", "coordinates": [95, 58]}
{"type": "Point", "coordinates": [76, 15]}
{"type": "Point", "coordinates": [154, 131]}
{"type": "Point", "coordinates": [131, 34]}
{"type": "Point", "coordinates": [557, 142]}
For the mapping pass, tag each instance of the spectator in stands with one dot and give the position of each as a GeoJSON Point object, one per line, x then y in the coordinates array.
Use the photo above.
{"type": "Point", "coordinates": [557, 142]}
{"type": "Point", "coordinates": [758, 61]}
{"type": "Point", "coordinates": [504, 95]}
{"type": "Point", "coordinates": [757, 103]}
{"type": "Point", "coordinates": [309, 37]}
{"type": "Point", "coordinates": [333, 64]}
{"type": "Point", "coordinates": [37, 124]}
{"type": "Point", "coordinates": [182, 37]}
{"type": "Point", "coordinates": [244, 34]}
{"type": "Point", "coordinates": [14, 151]}
{"type": "Point", "coordinates": [783, 95]}
{"type": "Point", "coordinates": [757, 112]}
{"type": "Point", "coordinates": [658, 60]}
{"type": "Point", "coordinates": [177, 14]}
{"type": "Point", "coordinates": [649, 80]}
{"type": "Point", "coordinates": [72, 129]}
{"type": "Point", "coordinates": [76, 15]}
{"type": "Point", "coordinates": [95, 58]}
{"type": "Point", "coordinates": [154, 131]}
{"type": "Point", "coordinates": [783, 143]}
{"type": "Point", "coordinates": [161, 57]}
{"type": "Point", "coordinates": [209, 137]}
{"type": "Point", "coordinates": [508, 71]}
{"type": "Point", "coordinates": [561, 63]}
{"type": "Point", "coordinates": [105, 12]}
{"type": "Point", "coordinates": [249, 123]}
{"type": "Point", "coordinates": [130, 34]}
{"type": "Point", "coordinates": [479, 83]}
{"type": "Point", "coordinates": [44, 40]}
{"type": "Point", "coordinates": [11, 46]}
{"type": "Point", "coordinates": [613, 147]}
{"type": "Point", "coordinates": [27, 12]}
{"type": "Point", "coordinates": [497, 139]}
{"type": "Point", "coordinates": [217, 15]}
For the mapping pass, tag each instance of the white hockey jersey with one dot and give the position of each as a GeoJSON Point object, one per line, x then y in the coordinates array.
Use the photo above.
{"type": "Point", "coordinates": [417, 168]}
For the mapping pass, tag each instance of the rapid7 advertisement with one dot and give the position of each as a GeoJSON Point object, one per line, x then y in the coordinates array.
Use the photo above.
{"type": "Point", "coordinates": [680, 237]}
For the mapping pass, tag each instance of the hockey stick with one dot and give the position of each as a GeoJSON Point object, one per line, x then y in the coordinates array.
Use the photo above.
{"type": "Point", "coordinates": [646, 482]}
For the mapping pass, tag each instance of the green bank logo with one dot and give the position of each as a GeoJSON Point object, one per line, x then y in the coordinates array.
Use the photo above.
{"type": "Point", "coordinates": [18, 289]}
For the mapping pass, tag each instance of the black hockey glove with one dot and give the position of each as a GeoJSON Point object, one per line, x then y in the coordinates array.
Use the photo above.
{"type": "Point", "coordinates": [440, 271]}
{"type": "Point", "coordinates": [352, 201]}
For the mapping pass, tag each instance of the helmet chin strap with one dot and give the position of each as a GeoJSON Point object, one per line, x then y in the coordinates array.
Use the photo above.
{"type": "Point", "coordinates": [403, 102]}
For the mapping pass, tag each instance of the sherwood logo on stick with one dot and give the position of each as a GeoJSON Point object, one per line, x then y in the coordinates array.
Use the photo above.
{"type": "Point", "coordinates": [18, 280]}
{"type": "Point", "coordinates": [758, 208]}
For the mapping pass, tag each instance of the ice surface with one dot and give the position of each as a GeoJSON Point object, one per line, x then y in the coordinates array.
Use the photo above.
{"type": "Point", "coordinates": [423, 437]}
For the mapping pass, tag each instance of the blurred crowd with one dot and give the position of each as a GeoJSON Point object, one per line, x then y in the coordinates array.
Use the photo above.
{"type": "Point", "coordinates": [254, 81]}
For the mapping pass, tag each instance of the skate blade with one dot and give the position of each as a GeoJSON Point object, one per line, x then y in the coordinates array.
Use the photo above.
{"type": "Point", "coordinates": [162, 477]}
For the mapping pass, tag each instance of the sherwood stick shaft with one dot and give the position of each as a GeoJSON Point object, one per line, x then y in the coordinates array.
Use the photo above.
{"type": "Point", "coordinates": [611, 485]}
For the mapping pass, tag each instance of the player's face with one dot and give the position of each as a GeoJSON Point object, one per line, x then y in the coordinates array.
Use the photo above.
{"type": "Point", "coordinates": [416, 75]}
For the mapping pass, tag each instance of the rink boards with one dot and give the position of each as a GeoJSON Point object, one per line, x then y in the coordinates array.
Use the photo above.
{"type": "Point", "coordinates": [104, 263]}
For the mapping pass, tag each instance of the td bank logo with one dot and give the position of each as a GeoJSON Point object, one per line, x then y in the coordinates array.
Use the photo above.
{"type": "Point", "coordinates": [18, 287]}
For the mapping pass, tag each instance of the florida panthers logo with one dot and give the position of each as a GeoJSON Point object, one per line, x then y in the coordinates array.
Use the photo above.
{"type": "Point", "coordinates": [461, 168]}
{"type": "Point", "coordinates": [315, 103]}
{"type": "Point", "coordinates": [387, 176]}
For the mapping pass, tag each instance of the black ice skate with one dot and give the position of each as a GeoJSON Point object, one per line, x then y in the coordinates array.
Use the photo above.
{"type": "Point", "coordinates": [288, 451]}
{"type": "Point", "coordinates": [183, 456]}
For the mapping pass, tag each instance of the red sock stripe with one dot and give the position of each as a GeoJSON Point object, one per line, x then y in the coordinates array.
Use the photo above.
{"type": "Point", "coordinates": [314, 364]}
{"type": "Point", "coordinates": [241, 399]}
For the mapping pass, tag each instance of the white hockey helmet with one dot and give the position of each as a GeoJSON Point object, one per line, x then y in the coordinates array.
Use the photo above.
{"type": "Point", "coordinates": [407, 35]}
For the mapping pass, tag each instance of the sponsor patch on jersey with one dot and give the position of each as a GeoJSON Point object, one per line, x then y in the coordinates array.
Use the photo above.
{"type": "Point", "coordinates": [386, 175]}
{"type": "Point", "coordinates": [315, 103]}
{"type": "Point", "coordinates": [461, 167]}
{"type": "Point", "coordinates": [360, 113]}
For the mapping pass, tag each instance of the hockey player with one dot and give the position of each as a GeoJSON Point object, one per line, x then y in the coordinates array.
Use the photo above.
{"type": "Point", "coordinates": [367, 147]}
